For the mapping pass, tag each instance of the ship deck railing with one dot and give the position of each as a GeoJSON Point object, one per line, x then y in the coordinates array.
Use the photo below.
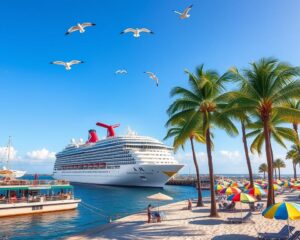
{"type": "Point", "coordinates": [36, 199]}
{"type": "Point", "coordinates": [33, 182]}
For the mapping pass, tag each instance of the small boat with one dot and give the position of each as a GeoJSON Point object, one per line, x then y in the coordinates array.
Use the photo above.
{"type": "Point", "coordinates": [18, 197]}
{"type": "Point", "coordinates": [5, 172]}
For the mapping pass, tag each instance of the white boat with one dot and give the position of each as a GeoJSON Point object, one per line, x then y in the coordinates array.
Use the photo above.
{"type": "Point", "coordinates": [6, 172]}
{"type": "Point", "coordinates": [18, 197]}
{"type": "Point", "coordinates": [129, 160]}
{"type": "Point", "coordinates": [13, 173]}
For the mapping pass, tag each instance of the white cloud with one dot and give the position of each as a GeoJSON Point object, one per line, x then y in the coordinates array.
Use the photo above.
{"type": "Point", "coordinates": [42, 154]}
{"type": "Point", "coordinates": [231, 155]}
{"type": "Point", "coordinates": [4, 153]}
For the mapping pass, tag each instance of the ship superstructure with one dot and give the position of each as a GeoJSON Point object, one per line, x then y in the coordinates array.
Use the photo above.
{"type": "Point", "coordinates": [129, 160]}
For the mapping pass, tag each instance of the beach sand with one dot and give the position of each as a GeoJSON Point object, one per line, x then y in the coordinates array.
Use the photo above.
{"type": "Point", "coordinates": [190, 224]}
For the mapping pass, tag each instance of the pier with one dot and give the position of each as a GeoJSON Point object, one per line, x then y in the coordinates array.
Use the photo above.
{"type": "Point", "coordinates": [182, 180]}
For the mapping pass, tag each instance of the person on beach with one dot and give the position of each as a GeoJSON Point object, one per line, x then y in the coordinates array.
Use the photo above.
{"type": "Point", "coordinates": [189, 204]}
{"type": "Point", "coordinates": [149, 213]}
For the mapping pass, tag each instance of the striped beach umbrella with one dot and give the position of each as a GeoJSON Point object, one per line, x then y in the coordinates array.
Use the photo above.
{"type": "Point", "coordinates": [276, 187]}
{"type": "Point", "coordinates": [230, 190]}
{"type": "Point", "coordinates": [288, 184]}
{"type": "Point", "coordinates": [256, 191]}
{"type": "Point", "coordinates": [237, 184]}
{"type": "Point", "coordinates": [296, 186]}
{"type": "Point", "coordinates": [218, 187]}
{"type": "Point", "coordinates": [241, 197]}
{"type": "Point", "coordinates": [283, 211]}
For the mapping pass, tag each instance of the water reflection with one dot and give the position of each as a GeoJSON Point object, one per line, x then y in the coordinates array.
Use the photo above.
{"type": "Point", "coordinates": [107, 202]}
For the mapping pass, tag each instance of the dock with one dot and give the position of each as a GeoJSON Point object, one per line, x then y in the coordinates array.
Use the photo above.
{"type": "Point", "coordinates": [182, 180]}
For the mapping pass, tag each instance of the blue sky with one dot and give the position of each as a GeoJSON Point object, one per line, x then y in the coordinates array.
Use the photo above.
{"type": "Point", "coordinates": [43, 106]}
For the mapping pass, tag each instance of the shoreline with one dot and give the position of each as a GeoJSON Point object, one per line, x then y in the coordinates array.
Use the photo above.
{"type": "Point", "coordinates": [186, 224]}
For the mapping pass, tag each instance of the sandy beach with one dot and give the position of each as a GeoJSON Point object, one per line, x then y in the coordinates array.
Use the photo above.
{"type": "Point", "coordinates": [186, 225]}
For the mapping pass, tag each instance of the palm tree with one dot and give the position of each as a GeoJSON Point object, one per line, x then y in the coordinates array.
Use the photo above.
{"type": "Point", "coordinates": [263, 168]}
{"type": "Point", "coordinates": [279, 163]}
{"type": "Point", "coordinates": [204, 101]}
{"type": "Point", "coordinates": [181, 132]}
{"type": "Point", "coordinates": [277, 133]}
{"type": "Point", "coordinates": [295, 104]}
{"type": "Point", "coordinates": [294, 155]}
{"type": "Point", "coordinates": [265, 87]}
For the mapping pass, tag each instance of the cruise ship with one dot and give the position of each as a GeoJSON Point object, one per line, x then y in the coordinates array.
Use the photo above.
{"type": "Point", "coordinates": [128, 160]}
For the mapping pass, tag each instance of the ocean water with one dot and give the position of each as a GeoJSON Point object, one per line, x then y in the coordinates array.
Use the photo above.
{"type": "Point", "coordinates": [104, 202]}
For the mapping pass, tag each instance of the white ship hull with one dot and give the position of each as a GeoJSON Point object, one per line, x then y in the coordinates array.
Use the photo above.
{"type": "Point", "coordinates": [37, 207]}
{"type": "Point", "coordinates": [141, 175]}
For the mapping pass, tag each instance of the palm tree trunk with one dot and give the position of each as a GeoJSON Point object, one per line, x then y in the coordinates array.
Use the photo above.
{"type": "Point", "coordinates": [213, 208]}
{"type": "Point", "coordinates": [270, 200]}
{"type": "Point", "coordinates": [264, 175]}
{"type": "Point", "coordinates": [279, 173]}
{"type": "Point", "coordinates": [247, 155]}
{"type": "Point", "coordinates": [275, 173]}
{"type": "Point", "coordinates": [272, 166]}
{"type": "Point", "coordinates": [200, 201]}
{"type": "Point", "coordinates": [295, 126]}
{"type": "Point", "coordinates": [295, 171]}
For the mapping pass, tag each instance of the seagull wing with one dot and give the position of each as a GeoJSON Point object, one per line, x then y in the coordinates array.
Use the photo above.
{"type": "Point", "coordinates": [88, 24]}
{"type": "Point", "coordinates": [145, 30]}
{"type": "Point", "coordinates": [75, 62]}
{"type": "Point", "coordinates": [149, 73]}
{"type": "Point", "coordinates": [72, 29]}
{"type": "Point", "coordinates": [127, 30]}
{"type": "Point", "coordinates": [58, 63]}
{"type": "Point", "coordinates": [177, 12]}
{"type": "Point", "coordinates": [186, 11]}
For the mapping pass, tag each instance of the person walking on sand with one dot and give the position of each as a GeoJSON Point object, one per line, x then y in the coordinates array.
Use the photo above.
{"type": "Point", "coordinates": [189, 204]}
{"type": "Point", "coordinates": [149, 213]}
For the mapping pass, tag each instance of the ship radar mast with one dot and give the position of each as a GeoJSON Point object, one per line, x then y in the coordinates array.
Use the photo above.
{"type": "Point", "coordinates": [110, 128]}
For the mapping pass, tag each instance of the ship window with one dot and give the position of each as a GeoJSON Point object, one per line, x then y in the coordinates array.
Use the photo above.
{"type": "Point", "coordinates": [37, 208]}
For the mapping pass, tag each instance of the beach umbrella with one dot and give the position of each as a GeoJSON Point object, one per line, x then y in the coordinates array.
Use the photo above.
{"type": "Point", "coordinates": [279, 182]}
{"type": "Point", "coordinates": [296, 186]}
{"type": "Point", "coordinates": [256, 191]}
{"type": "Point", "coordinates": [218, 187]}
{"type": "Point", "coordinates": [248, 186]}
{"type": "Point", "coordinates": [230, 190]}
{"type": "Point", "coordinates": [242, 198]}
{"type": "Point", "coordinates": [160, 197]}
{"type": "Point", "coordinates": [288, 184]}
{"type": "Point", "coordinates": [283, 211]}
{"type": "Point", "coordinates": [276, 187]}
{"type": "Point", "coordinates": [236, 184]}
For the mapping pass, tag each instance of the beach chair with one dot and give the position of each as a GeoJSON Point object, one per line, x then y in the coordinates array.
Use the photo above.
{"type": "Point", "coordinates": [259, 207]}
{"type": "Point", "coordinates": [295, 236]}
{"type": "Point", "coordinates": [282, 234]}
{"type": "Point", "coordinates": [245, 219]}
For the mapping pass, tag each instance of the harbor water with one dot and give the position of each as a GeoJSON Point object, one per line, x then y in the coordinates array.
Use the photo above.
{"type": "Point", "coordinates": [99, 205]}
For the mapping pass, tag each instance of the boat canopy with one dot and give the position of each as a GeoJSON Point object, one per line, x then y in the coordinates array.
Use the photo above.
{"type": "Point", "coordinates": [14, 188]}
{"type": "Point", "coordinates": [38, 187]}
{"type": "Point", "coordinates": [61, 187]}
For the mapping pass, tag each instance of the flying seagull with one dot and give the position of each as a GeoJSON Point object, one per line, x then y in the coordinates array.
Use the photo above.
{"type": "Point", "coordinates": [121, 71]}
{"type": "Point", "coordinates": [185, 14]}
{"type": "Point", "coordinates": [80, 27]}
{"type": "Point", "coordinates": [67, 65]}
{"type": "Point", "coordinates": [136, 31]}
{"type": "Point", "coordinates": [153, 76]}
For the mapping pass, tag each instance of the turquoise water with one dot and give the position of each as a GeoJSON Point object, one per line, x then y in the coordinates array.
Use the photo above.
{"type": "Point", "coordinates": [111, 202]}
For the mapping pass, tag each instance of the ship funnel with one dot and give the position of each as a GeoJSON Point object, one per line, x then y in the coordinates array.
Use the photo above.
{"type": "Point", "coordinates": [92, 136]}
{"type": "Point", "coordinates": [110, 128]}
